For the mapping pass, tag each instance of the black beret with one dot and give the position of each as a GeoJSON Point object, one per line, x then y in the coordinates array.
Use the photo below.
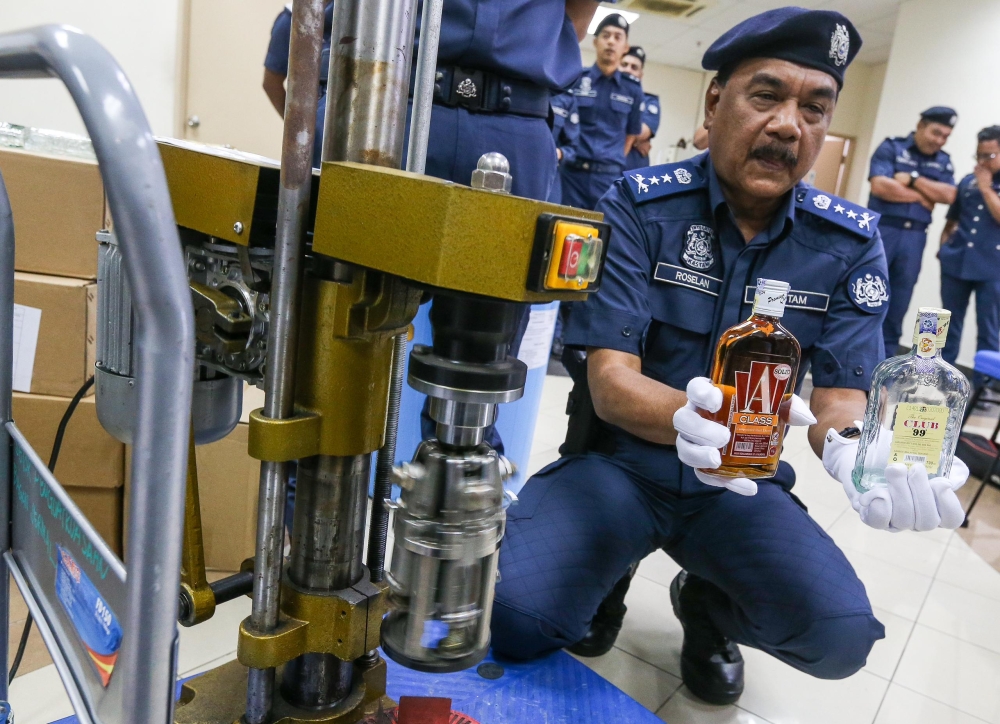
{"type": "Point", "coordinates": [613, 19]}
{"type": "Point", "coordinates": [820, 39]}
{"type": "Point", "coordinates": [637, 52]}
{"type": "Point", "coordinates": [940, 114]}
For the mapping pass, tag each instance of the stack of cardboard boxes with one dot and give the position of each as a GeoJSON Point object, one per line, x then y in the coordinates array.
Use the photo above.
{"type": "Point", "coordinates": [58, 206]}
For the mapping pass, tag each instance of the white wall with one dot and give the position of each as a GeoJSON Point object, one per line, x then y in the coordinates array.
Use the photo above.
{"type": "Point", "coordinates": [680, 94]}
{"type": "Point", "coordinates": [855, 118]}
{"type": "Point", "coordinates": [142, 36]}
{"type": "Point", "coordinates": [942, 57]}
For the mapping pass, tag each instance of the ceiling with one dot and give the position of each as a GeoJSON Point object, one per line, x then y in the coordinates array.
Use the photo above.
{"type": "Point", "coordinates": [683, 42]}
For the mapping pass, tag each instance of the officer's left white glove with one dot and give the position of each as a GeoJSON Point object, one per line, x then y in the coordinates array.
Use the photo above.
{"type": "Point", "coordinates": [909, 501]}
{"type": "Point", "coordinates": [699, 440]}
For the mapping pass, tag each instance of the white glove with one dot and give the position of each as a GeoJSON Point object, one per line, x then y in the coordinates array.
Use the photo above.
{"type": "Point", "coordinates": [909, 501]}
{"type": "Point", "coordinates": [699, 440]}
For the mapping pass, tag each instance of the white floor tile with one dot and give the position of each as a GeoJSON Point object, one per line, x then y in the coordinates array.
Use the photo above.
{"type": "Point", "coordinates": [796, 441]}
{"type": "Point", "coordinates": [962, 614]}
{"type": "Point", "coordinates": [953, 672]}
{"type": "Point", "coordinates": [548, 436]}
{"type": "Point", "coordinates": [890, 588]}
{"type": "Point", "coordinates": [914, 551]}
{"type": "Point", "coordinates": [964, 568]}
{"type": "Point", "coordinates": [813, 485]}
{"type": "Point", "coordinates": [902, 706]}
{"type": "Point", "coordinates": [783, 695]}
{"type": "Point", "coordinates": [39, 697]}
{"type": "Point", "coordinates": [885, 655]}
{"type": "Point", "coordinates": [539, 460]}
{"type": "Point", "coordinates": [683, 708]}
{"type": "Point", "coordinates": [212, 639]}
{"type": "Point", "coordinates": [659, 567]}
{"type": "Point", "coordinates": [648, 685]}
{"type": "Point", "coordinates": [651, 632]}
{"type": "Point", "coordinates": [827, 515]}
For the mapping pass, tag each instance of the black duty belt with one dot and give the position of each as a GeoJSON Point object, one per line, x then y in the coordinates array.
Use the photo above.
{"type": "Point", "coordinates": [583, 164]}
{"type": "Point", "coordinates": [897, 222]}
{"type": "Point", "coordinates": [480, 90]}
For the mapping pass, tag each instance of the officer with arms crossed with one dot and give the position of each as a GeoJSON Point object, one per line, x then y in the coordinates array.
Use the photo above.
{"type": "Point", "coordinates": [634, 63]}
{"type": "Point", "coordinates": [909, 176]}
{"type": "Point", "coordinates": [610, 106]}
{"type": "Point", "coordinates": [970, 248]}
{"type": "Point", "coordinates": [689, 241]}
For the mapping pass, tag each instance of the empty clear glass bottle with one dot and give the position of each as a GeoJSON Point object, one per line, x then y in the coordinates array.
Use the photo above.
{"type": "Point", "coordinates": [915, 407]}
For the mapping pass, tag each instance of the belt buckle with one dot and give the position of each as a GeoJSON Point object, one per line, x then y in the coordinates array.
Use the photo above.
{"type": "Point", "coordinates": [468, 89]}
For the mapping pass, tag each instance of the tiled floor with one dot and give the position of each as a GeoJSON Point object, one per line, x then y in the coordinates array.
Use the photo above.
{"type": "Point", "coordinates": [938, 599]}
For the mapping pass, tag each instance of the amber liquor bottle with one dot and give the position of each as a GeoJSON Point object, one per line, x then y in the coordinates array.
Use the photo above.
{"type": "Point", "coordinates": [756, 365]}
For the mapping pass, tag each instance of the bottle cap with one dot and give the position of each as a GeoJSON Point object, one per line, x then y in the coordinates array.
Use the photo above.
{"type": "Point", "coordinates": [932, 321]}
{"type": "Point", "coordinates": [770, 298]}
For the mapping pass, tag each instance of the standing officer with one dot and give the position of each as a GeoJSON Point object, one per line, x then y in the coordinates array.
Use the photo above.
{"type": "Point", "coordinates": [566, 134]}
{"type": "Point", "coordinates": [970, 249]}
{"type": "Point", "coordinates": [689, 241]}
{"type": "Point", "coordinates": [610, 104]}
{"type": "Point", "coordinates": [276, 68]}
{"type": "Point", "coordinates": [634, 63]}
{"type": "Point", "coordinates": [909, 176]}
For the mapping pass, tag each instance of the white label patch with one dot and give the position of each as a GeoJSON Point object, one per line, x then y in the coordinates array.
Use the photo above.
{"type": "Point", "coordinates": [27, 320]}
{"type": "Point", "coordinates": [537, 342]}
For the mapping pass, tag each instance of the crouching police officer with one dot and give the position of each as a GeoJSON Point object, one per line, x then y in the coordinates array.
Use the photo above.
{"type": "Point", "coordinates": [689, 241]}
{"type": "Point", "coordinates": [970, 249]}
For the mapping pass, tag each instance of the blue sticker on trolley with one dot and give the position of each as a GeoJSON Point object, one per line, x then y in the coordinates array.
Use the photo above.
{"type": "Point", "coordinates": [92, 617]}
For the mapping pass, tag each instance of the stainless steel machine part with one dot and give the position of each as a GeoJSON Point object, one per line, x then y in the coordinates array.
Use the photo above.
{"type": "Point", "coordinates": [423, 85]}
{"type": "Point", "coordinates": [279, 382]}
{"type": "Point", "coordinates": [448, 526]}
{"type": "Point", "coordinates": [142, 690]}
{"type": "Point", "coordinates": [327, 540]}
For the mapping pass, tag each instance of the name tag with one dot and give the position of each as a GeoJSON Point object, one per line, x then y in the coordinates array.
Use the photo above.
{"type": "Point", "coordinates": [622, 99]}
{"type": "Point", "coordinates": [560, 111]}
{"type": "Point", "coordinates": [807, 301]}
{"type": "Point", "coordinates": [686, 278]}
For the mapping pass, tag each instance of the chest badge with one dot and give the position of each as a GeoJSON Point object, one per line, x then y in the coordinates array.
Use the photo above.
{"type": "Point", "coordinates": [869, 291]}
{"type": "Point", "coordinates": [840, 45]}
{"type": "Point", "coordinates": [698, 247]}
{"type": "Point", "coordinates": [467, 89]}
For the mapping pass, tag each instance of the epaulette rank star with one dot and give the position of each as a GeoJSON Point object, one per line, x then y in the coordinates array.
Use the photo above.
{"type": "Point", "coordinates": [856, 219]}
{"type": "Point", "coordinates": [655, 182]}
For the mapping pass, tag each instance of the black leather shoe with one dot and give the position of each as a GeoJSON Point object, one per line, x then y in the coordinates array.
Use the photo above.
{"type": "Point", "coordinates": [607, 622]}
{"type": "Point", "coordinates": [711, 664]}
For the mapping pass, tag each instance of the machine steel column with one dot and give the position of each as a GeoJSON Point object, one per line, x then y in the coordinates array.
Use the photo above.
{"type": "Point", "coordinates": [293, 208]}
{"type": "Point", "coordinates": [423, 86]}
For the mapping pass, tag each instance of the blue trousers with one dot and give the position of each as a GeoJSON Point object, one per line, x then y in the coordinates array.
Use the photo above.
{"type": "Point", "coordinates": [904, 250]}
{"type": "Point", "coordinates": [782, 585]}
{"type": "Point", "coordinates": [584, 189]}
{"type": "Point", "coordinates": [955, 295]}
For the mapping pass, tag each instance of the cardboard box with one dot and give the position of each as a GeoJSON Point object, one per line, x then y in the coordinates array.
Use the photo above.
{"type": "Point", "coordinates": [91, 463]}
{"type": "Point", "coordinates": [228, 482]}
{"type": "Point", "coordinates": [65, 351]}
{"type": "Point", "coordinates": [58, 206]}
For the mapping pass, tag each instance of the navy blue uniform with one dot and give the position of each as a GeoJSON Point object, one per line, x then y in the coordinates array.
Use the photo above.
{"type": "Point", "coordinates": [904, 226]}
{"type": "Point", "coordinates": [651, 117]}
{"type": "Point", "coordinates": [276, 61]}
{"type": "Point", "coordinates": [610, 108]}
{"type": "Point", "coordinates": [566, 134]}
{"type": "Point", "coordinates": [678, 273]}
{"type": "Point", "coordinates": [970, 262]}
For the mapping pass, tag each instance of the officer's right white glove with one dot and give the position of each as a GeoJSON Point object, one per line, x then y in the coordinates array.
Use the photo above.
{"type": "Point", "coordinates": [699, 440]}
{"type": "Point", "coordinates": [910, 500]}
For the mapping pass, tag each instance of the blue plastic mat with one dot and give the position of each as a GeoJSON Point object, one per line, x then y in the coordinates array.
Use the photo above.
{"type": "Point", "coordinates": [554, 690]}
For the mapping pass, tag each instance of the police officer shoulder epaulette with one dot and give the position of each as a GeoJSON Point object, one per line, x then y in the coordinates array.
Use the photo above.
{"type": "Point", "coordinates": [849, 216]}
{"type": "Point", "coordinates": [657, 182]}
{"type": "Point", "coordinates": [631, 77]}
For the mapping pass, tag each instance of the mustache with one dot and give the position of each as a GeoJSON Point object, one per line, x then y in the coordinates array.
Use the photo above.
{"type": "Point", "coordinates": [775, 152]}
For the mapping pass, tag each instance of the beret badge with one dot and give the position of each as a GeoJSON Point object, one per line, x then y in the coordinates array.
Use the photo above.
{"type": "Point", "coordinates": [840, 45]}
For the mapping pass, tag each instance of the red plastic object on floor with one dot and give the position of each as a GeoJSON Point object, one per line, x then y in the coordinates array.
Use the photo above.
{"type": "Point", "coordinates": [421, 710]}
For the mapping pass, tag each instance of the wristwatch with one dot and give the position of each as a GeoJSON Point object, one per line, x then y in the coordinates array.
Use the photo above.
{"type": "Point", "coordinates": [914, 175]}
{"type": "Point", "coordinates": [849, 433]}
